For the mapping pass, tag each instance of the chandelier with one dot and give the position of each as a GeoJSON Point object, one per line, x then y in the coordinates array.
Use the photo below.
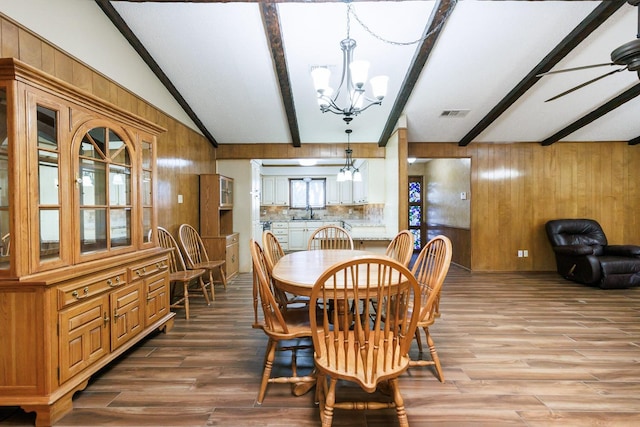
{"type": "Point", "coordinates": [349, 171]}
{"type": "Point", "coordinates": [352, 82]}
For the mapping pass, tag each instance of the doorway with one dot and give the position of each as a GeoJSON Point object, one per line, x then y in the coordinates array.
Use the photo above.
{"type": "Point", "coordinates": [443, 205]}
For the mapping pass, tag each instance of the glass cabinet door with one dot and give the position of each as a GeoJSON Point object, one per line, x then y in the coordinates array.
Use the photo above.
{"type": "Point", "coordinates": [48, 183]}
{"type": "Point", "coordinates": [5, 238]}
{"type": "Point", "coordinates": [147, 190]}
{"type": "Point", "coordinates": [226, 192]}
{"type": "Point", "coordinates": [104, 183]}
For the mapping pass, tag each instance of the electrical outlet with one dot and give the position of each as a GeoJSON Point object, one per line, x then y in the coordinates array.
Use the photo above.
{"type": "Point", "coordinates": [180, 198]}
{"type": "Point", "coordinates": [525, 253]}
{"type": "Point", "coordinates": [520, 254]}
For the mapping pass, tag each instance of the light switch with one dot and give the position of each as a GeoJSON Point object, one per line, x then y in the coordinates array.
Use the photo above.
{"type": "Point", "coordinates": [180, 198]}
{"type": "Point", "coordinates": [463, 195]}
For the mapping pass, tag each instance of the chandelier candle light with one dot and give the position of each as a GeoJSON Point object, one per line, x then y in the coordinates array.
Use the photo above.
{"type": "Point", "coordinates": [354, 77]}
{"type": "Point", "coordinates": [349, 171]}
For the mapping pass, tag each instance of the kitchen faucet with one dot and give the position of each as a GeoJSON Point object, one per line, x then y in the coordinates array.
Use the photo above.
{"type": "Point", "coordinates": [309, 208]}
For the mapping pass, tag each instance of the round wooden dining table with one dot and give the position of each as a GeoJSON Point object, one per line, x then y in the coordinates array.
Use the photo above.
{"type": "Point", "coordinates": [297, 272]}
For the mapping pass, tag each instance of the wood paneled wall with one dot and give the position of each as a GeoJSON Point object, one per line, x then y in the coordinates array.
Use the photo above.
{"type": "Point", "coordinates": [288, 151]}
{"type": "Point", "coordinates": [460, 237]}
{"type": "Point", "coordinates": [182, 152]}
{"type": "Point", "coordinates": [516, 188]}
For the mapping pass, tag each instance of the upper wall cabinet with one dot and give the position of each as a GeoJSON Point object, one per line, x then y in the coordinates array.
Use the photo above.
{"type": "Point", "coordinates": [275, 191]}
{"type": "Point", "coordinates": [81, 277]}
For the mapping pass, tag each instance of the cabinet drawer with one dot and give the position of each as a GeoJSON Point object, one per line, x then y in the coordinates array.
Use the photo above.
{"type": "Point", "coordinates": [83, 289]}
{"type": "Point", "coordinates": [232, 238]}
{"type": "Point", "coordinates": [148, 268]}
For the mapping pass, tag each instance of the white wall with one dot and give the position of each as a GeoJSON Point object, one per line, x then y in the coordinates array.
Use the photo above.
{"type": "Point", "coordinates": [240, 171]}
{"type": "Point", "coordinates": [94, 40]}
{"type": "Point", "coordinates": [391, 175]}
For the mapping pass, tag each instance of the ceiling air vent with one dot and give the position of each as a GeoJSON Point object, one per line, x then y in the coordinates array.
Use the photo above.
{"type": "Point", "coordinates": [454, 113]}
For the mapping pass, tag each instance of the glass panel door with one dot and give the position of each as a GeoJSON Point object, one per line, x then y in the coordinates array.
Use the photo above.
{"type": "Point", "coordinates": [416, 220]}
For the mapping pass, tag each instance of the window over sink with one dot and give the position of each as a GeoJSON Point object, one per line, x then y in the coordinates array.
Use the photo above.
{"type": "Point", "coordinates": [307, 192]}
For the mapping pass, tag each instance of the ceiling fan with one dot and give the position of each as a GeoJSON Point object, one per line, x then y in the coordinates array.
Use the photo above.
{"type": "Point", "coordinates": [627, 56]}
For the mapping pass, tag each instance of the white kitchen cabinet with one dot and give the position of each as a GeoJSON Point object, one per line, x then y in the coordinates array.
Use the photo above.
{"type": "Point", "coordinates": [282, 191]}
{"type": "Point", "coordinates": [275, 190]}
{"type": "Point", "coordinates": [299, 232]}
{"type": "Point", "coordinates": [280, 229]}
{"type": "Point", "coordinates": [268, 190]}
{"type": "Point", "coordinates": [339, 193]}
{"type": "Point", "coordinates": [376, 181]}
{"type": "Point", "coordinates": [361, 188]}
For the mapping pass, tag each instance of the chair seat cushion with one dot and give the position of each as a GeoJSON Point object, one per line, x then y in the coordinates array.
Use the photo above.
{"type": "Point", "coordinates": [619, 272]}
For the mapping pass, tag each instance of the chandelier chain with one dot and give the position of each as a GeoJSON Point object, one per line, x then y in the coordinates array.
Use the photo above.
{"type": "Point", "coordinates": [351, 11]}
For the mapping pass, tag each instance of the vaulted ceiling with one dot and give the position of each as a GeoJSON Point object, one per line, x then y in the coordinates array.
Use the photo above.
{"type": "Point", "coordinates": [241, 70]}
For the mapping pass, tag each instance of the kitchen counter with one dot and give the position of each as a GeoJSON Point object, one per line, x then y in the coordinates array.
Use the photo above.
{"type": "Point", "coordinates": [366, 230]}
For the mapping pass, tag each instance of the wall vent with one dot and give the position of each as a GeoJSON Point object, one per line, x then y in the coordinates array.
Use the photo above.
{"type": "Point", "coordinates": [454, 113]}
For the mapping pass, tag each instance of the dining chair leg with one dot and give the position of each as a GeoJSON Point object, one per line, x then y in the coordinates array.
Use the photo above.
{"type": "Point", "coordinates": [419, 340]}
{"type": "Point", "coordinates": [399, 402]}
{"type": "Point", "coordinates": [223, 277]}
{"type": "Point", "coordinates": [204, 290]}
{"type": "Point", "coordinates": [268, 365]}
{"type": "Point", "coordinates": [326, 412]}
{"type": "Point", "coordinates": [213, 295]}
{"type": "Point", "coordinates": [434, 355]}
{"type": "Point", "coordinates": [185, 287]}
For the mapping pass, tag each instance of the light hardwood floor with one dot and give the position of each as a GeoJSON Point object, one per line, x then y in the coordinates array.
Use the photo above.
{"type": "Point", "coordinates": [516, 349]}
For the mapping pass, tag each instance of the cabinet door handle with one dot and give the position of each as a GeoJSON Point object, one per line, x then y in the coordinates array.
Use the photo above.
{"type": "Point", "coordinates": [105, 319]}
{"type": "Point", "coordinates": [76, 295]}
{"type": "Point", "coordinates": [116, 315]}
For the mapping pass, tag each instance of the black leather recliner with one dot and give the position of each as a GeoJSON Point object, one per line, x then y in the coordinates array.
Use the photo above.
{"type": "Point", "coordinates": [584, 256]}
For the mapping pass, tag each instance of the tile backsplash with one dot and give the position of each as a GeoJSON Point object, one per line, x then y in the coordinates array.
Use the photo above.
{"type": "Point", "coordinates": [371, 212]}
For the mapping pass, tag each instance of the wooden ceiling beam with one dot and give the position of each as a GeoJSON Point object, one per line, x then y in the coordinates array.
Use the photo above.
{"type": "Point", "coordinates": [270, 17]}
{"type": "Point", "coordinates": [598, 16]}
{"type": "Point", "coordinates": [441, 12]}
{"type": "Point", "coordinates": [605, 108]}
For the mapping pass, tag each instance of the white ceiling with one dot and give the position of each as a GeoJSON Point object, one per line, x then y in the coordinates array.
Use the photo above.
{"type": "Point", "coordinates": [218, 58]}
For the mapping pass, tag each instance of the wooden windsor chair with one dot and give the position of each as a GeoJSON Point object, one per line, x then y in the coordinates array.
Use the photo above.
{"type": "Point", "coordinates": [197, 257]}
{"type": "Point", "coordinates": [369, 342]}
{"type": "Point", "coordinates": [278, 325]}
{"type": "Point", "coordinates": [401, 247]}
{"type": "Point", "coordinates": [330, 237]}
{"type": "Point", "coordinates": [273, 252]}
{"type": "Point", "coordinates": [430, 270]}
{"type": "Point", "coordinates": [179, 275]}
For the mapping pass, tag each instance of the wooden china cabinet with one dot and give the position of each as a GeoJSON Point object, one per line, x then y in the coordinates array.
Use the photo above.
{"type": "Point", "coordinates": [216, 221]}
{"type": "Point", "coordinates": [80, 281]}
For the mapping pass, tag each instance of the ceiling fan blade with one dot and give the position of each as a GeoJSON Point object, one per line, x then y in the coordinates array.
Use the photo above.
{"type": "Point", "coordinates": [584, 67]}
{"type": "Point", "coordinates": [585, 84]}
